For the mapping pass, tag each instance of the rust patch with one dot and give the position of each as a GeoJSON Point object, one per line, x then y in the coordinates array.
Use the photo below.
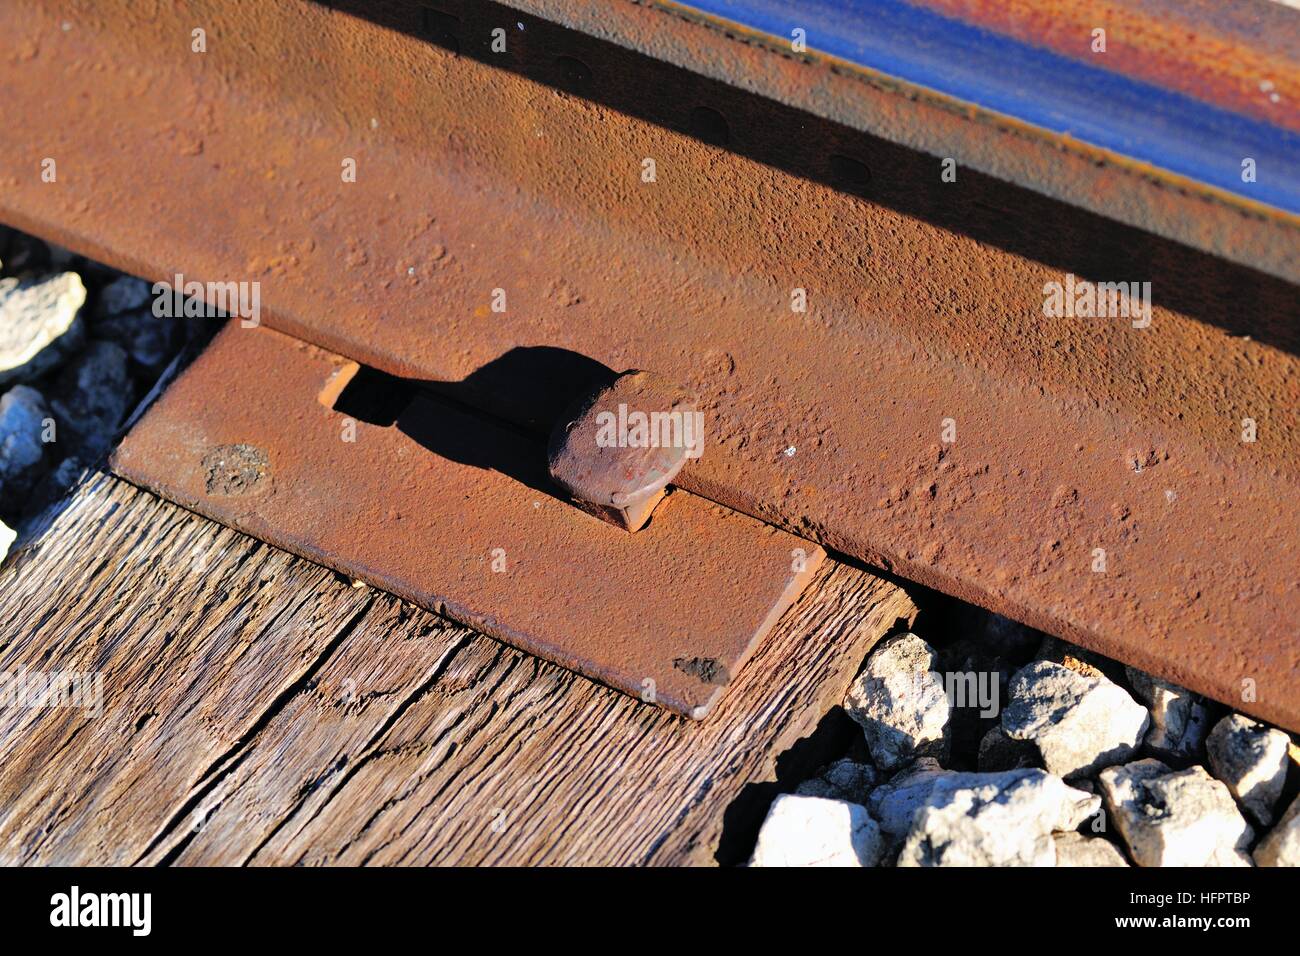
{"type": "Point", "coordinates": [709, 670]}
{"type": "Point", "coordinates": [232, 471]}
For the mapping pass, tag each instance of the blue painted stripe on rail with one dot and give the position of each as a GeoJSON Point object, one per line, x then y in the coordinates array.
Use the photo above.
{"type": "Point", "coordinates": [1168, 130]}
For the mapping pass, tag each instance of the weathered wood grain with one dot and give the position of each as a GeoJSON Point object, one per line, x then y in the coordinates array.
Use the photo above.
{"type": "Point", "coordinates": [257, 709]}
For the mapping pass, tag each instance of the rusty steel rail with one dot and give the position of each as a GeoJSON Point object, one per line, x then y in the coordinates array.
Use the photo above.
{"type": "Point", "coordinates": [1186, 93]}
{"type": "Point", "coordinates": [1152, 131]}
{"type": "Point", "coordinates": [1129, 485]}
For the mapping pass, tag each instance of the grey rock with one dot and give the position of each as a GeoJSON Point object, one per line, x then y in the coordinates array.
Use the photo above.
{"type": "Point", "coordinates": [896, 804]}
{"type": "Point", "coordinates": [22, 453]}
{"type": "Point", "coordinates": [900, 703]}
{"type": "Point", "coordinates": [817, 787]}
{"type": "Point", "coordinates": [811, 831]}
{"type": "Point", "coordinates": [148, 340]}
{"type": "Point", "coordinates": [40, 325]}
{"type": "Point", "coordinates": [1281, 847]}
{"type": "Point", "coordinates": [1077, 721]}
{"type": "Point", "coordinates": [842, 780]}
{"type": "Point", "coordinates": [997, 751]}
{"type": "Point", "coordinates": [92, 397]}
{"type": "Point", "coordinates": [123, 294]}
{"type": "Point", "coordinates": [1251, 758]}
{"type": "Point", "coordinates": [1175, 818]}
{"type": "Point", "coordinates": [1075, 849]}
{"type": "Point", "coordinates": [1179, 718]}
{"type": "Point", "coordinates": [1002, 819]}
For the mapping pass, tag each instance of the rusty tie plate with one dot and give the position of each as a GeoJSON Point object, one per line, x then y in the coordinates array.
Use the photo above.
{"type": "Point", "coordinates": [457, 514]}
